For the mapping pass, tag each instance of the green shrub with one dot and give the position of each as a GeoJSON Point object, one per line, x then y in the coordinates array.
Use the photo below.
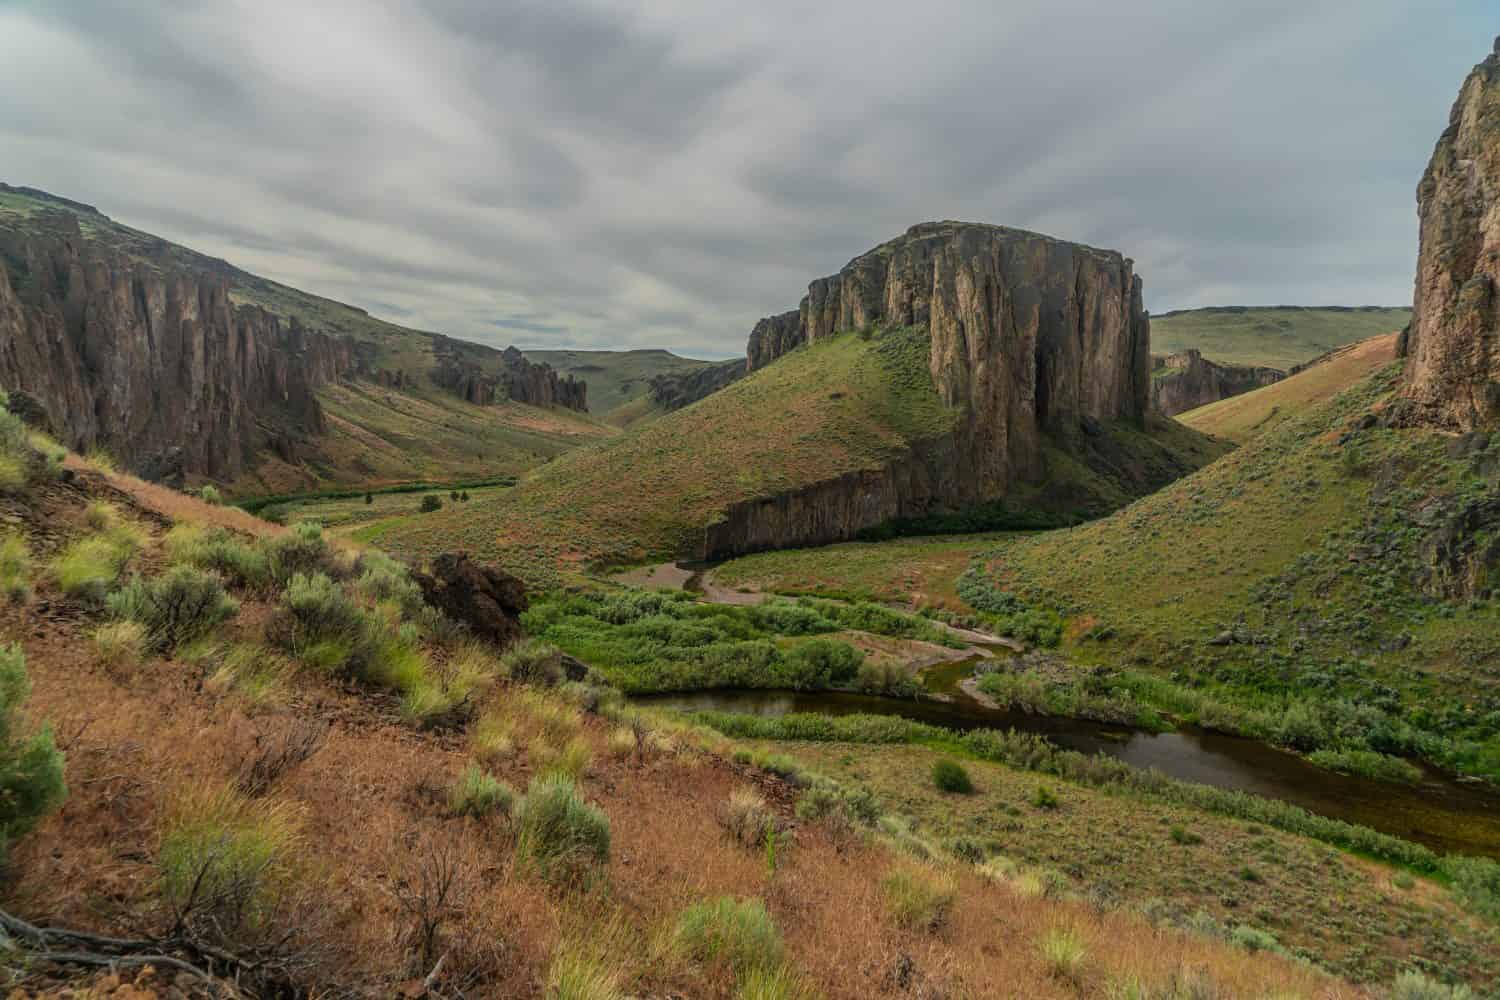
{"type": "Point", "coordinates": [950, 776]}
{"type": "Point", "coordinates": [101, 515]}
{"type": "Point", "coordinates": [821, 663]}
{"type": "Point", "coordinates": [89, 567]}
{"type": "Point", "coordinates": [1369, 763]}
{"type": "Point", "coordinates": [1253, 939]}
{"type": "Point", "coordinates": [239, 562]}
{"type": "Point", "coordinates": [210, 494]}
{"type": "Point", "coordinates": [739, 933]}
{"type": "Point", "coordinates": [478, 793]}
{"type": "Point", "coordinates": [31, 767]}
{"type": "Point", "coordinates": [557, 832]}
{"type": "Point", "coordinates": [1415, 986]}
{"type": "Point", "coordinates": [1185, 837]}
{"type": "Point", "coordinates": [229, 854]}
{"type": "Point", "coordinates": [919, 898]}
{"type": "Point", "coordinates": [430, 503]}
{"type": "Point", "coordinates": [302, 550]}
{"type": "Point", "coordinates": [321, 611]}
{"type": "Point", "coordinates": [15, 568]}
{"type": "Point", "coordinates": [1044, 798]}
{"type": "Point", "coordinates": [179, 606]}
{"type": "Point", "coordinates": [828, 800]}
{"type": "Point", "coordinates": [382, 578]}
{"type": "Point", "coordinates": [532, 661]}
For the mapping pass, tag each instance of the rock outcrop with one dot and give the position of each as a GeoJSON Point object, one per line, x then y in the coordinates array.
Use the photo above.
{"type": "Point", "coordinates": [1029, 334]}
{"type": "Point", "coordinates": [1187, 380]}
{"type": "Point", "coordinates": [1452, 347]}
{"type": "Point", "coordinates": [157, 366]}
{"type": "Point", "coordinates": [480, 595]}
{"type": "Point", "coordinates": [461, 369]}
{"type": "Point", "coordinates": [673, 392]}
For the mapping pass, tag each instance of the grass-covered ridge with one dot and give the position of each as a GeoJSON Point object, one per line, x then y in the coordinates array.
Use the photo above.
{"type": "Point", "coordinates": [1324, 586]}
{"type": "Point", "coordinates": [619, 381]}
{"type": "Point", "coordinates": [1274, 336]}
{"type": "Point", "coordinates": [850, 402]}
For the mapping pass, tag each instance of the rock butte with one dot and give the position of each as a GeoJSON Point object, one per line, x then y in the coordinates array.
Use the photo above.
{"type": "Point", "coordinates": [1187, 380]}
{"type": "Point", "coordinates": [1452, 347]}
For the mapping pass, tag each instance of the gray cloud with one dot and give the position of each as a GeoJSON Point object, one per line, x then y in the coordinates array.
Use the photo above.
{"type": "Point", "coordinates": [613, 174]}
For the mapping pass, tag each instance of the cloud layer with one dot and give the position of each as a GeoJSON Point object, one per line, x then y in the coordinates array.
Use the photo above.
{"type": "Point", "coordinates": [661, 174]}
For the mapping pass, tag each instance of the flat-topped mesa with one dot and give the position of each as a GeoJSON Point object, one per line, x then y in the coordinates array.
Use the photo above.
{"type": "Point", "coordinates": [1029, 333]}
{"type": "Point", "coordinates": [158, 367]}
{"type": "Point", "coordinates": [1452, 346]}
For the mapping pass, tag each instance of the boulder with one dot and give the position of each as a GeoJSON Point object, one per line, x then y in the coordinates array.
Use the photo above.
{"type": "Point", "coordinates": [480, 595]}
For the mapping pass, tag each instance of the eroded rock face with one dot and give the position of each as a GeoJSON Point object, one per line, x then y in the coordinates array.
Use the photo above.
{"type": "Point", "coordinates": [1187, 380]}
{"type": "Point", "coordinates": [158, 368]}
{"type": "Point", "coordinates": [1452, 346]}
{"type": "Point", "coordinates": [460, 370]}
{"type": "Point", "coordinates": [1028, 333]}
{"type": "Point", "coordinates": [673, 392]}
{"type": "Point", "coordinates": [480, 595]}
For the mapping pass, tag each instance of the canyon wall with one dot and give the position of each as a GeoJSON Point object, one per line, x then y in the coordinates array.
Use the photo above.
{"type": "Point", "coordinates": [1187, 380]}
{"type": "Point", "coordinates": [1027, 332]}
{"type": "Point", "coordinates": [1452, 347]}
{"type": "Point", "coordinates": [673, 392]}
{"type": "Point", "coordinates": [467, 371]}
{"type": "Point", "coordinates": [157, 367]}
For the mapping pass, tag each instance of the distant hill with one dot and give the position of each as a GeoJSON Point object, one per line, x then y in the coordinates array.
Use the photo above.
{"type": "Point", "coordinates": [619, 381]}
{"type": "Point", "coordinates": [1240, 418]}
{"type": "Point", "coordinates": [187, 368]}
{"type": "Point", "coordinates": [1270, 336]}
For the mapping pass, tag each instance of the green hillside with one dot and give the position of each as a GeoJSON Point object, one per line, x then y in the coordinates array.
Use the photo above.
{"type": "Point", "coordinates": [1273, 336]}
{"type": "Point", "coordinates": [1328, 584]}
{"type": "Point", "coordinates": [855, 401]}
{"type": "Point", "coordinates": [619, 381]}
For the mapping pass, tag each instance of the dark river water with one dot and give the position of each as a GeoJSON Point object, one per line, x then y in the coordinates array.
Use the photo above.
{"type": "Point", "coordinates": [1440, 811]}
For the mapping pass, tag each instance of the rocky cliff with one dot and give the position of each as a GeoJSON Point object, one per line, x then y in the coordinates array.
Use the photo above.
{"type": "Point", "coordinates": [1452, 347]}
{"type": "Point", "coordinates": [158, 367]}
{"type": "Point", "coordinates": [673, 392]}
{"type": "Point", "coordinates": [1027, 334]}
{"type": "Point", "coordinates": [1187, 380]}
{"type": "Point", "coordinates": [460, 368]}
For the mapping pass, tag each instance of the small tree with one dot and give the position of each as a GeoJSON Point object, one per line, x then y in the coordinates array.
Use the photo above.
{"type": "Point", "coordinates": [464, 496]}
{"type": "Point", "coordinates": [453, 495]}
{"type": "Point", "coordinates": [369, 498]}
{"type": "Point", "coordinates": [431, 502]}
{"type": "Point", "coordinates": [31, 768]}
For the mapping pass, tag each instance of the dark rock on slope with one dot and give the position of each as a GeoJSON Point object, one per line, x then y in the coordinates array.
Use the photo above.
{"type": "Point", "coordinates": [1187, 380]}
{"type": "Point", "coordinates": [1027, 333]}
{"type": "Point", "coordinates": [157, 367]}
{"type": "Point", "coordinates": [673, 392]}
{"type": "Point", "coordinates": [484, 597]}
{"type": "Point", "coordinates": [460, 369]}
{"type": "Point", "coordinates": [1452, 346]}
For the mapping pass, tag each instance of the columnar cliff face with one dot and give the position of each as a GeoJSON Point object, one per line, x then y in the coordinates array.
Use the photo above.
{"type": "Point", "coordinates": [1187, 380]}
{"type": "Point", "coordinates": [459, 370]}
{"type": "Point", "coordinates": [1452, 347]}
{"type": "Point", "coordinates": [673, 392]}
{"type": "Point", "coordinates": [1028, 333]}
{"type": "Point", "coordinates": [160, 369]}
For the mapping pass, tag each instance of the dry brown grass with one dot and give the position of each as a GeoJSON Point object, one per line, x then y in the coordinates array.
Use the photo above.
{"type": "Point", "coordinates": [369, 820]}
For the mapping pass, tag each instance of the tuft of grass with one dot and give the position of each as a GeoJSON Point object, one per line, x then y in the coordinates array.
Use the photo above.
{"type": "Point", "coordinates": [492, 738]}
{"type": "Point", "coordinates": [740, 933]}
{"type": "Point", "coordinates": [240, 562]}
{"type": "Point", "coordinates": [1185, 837]}
{"type": "Point", "coordinates": [476, 792]}
{"type": "Point", "coordinates": [622, 742]}
{"type": "Point", "coordinates": [778, 983]}
{"type": "Point", "coordinates": [950, 776]}
{"type": "Point", "coordinates": [210, 494]}
{"type": "Point", "coordinates": [919, 897]}
{"type": "Point", "coordinates": [256, 673]}
{"type": "Point", "coordinates": [118, 645]}
{"type": "Point", "coordinates": [747, 818]}
{"type": "Point", "coordinates": [1044, 798]}
{"type": "Point", "coordinates": [89, 567]}
{"type": "Point", "coordinates": [15, 568]}
{"type": "Point", "coordinates": [1416, 986]}
{"type": "Point", "coordinates": [580, 972]}
{"type": "Point", "coordinates": [101, 461]}
{"type": "Point", "coordinates": [557, 832]}
{"type": "Point", "coordinates": [101, 515]}
{"type": "Point", "coordinates": [571, 760]}
{"type": "Point", "coordinates": [227, 852]}
{"type": "Point", "coordinates": [1064, 952]}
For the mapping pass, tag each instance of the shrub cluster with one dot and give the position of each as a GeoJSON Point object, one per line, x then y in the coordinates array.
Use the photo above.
{"type": "Point", "coordinates": [557, 832]}
{"type": "Point", "coordinates": [31, 767]}
{"type": "Point", "coordinates": [174, 608]}
{"type": "Point", "coordinates": [739, 933]}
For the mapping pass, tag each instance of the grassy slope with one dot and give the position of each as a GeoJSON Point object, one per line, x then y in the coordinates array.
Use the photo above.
{"type": "Point", "coordinates": [1305, 542]}
{"type": "Point", "coordinates": [370, 812]}
{"type": "Point", "coordinates": [1278, 337]}
{"type": "Point", "coordinates": [1239, 418]}
{"type": "Point", "coordinates": [376, 435]}
{"type": "Point", "coordinates": [619, 381]}
{"type": "Point", "coordinates": [845, 403]}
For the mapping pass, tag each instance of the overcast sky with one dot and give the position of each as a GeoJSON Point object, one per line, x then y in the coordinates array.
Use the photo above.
{"type": "Point", "coordinates": [662, 174]}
